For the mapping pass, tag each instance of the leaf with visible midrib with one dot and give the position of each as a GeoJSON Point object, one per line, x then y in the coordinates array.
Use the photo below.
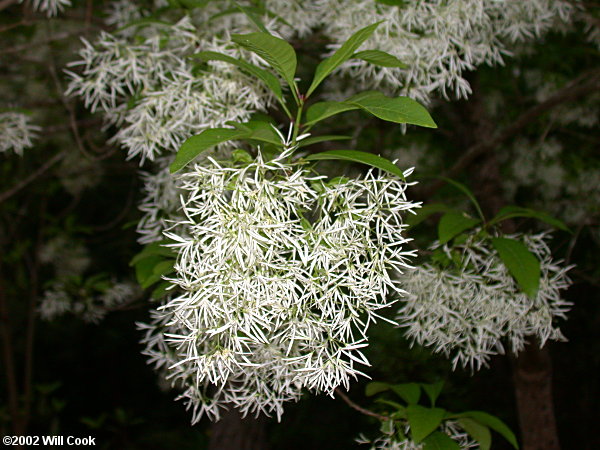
{"type": "Point", "coordinates": [276, 52]}
{"type": "Point", "coordinates": [379, 58]}
{"type": "Point", "coordinates": [361, 157]}
{"type": "Point", "coordinates": [195, 145]}
{"type": "Point", "coordinates": [423, 421]}
{"type": "Point", "coordinates": [268, 78]}
{"type": "Point", "coordinates": [323, 110]}
{"type": "Point", "coordinates": [344, 53]}
{"type": "Point", "coordinates": [397, 110]}
{"type": "Point", "coordinates": [493, 422]}
{"type": "Point", "coordinates": [521, 264]}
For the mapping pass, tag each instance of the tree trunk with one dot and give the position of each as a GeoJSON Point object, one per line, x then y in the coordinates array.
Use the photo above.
{"type": "Point", "coordinates": [532, 374]}
{"type": "Point", "coordinates": [234, 433]}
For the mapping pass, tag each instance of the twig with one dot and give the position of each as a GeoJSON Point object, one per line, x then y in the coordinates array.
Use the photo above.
{"type": "Point", "coordinates": [12, 191]}
{"type": "Point", "coordinates": [360, 409]}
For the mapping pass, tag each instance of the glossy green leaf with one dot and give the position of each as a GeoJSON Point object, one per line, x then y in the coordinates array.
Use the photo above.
{"type": "Point", "coordinates": [509, 212]}
{"type": "Point", "coordinates": [323, 110]}
{"type": "Point", "coordinates": [361, 157]}
{"type": "Point", "coordinates": [276, 52]}
{"type": "Point", "coordinates": [521, 264]}
{"type": "Point", "coordinates": [424, 212]}
{"type": "Point", "coordinates": [453, 223]}
{"type": "Point", "coordinates": [164, 267]}
{"type": "Point", "coordinates": [316, 139]}
{"type": "Point", "coordinates": [479, 432]}
{"type": "Point", "coordinates": [144, 268]}
{"type": "Point", "coordinates": [409, 392]}
{"type": "Point", "coordinates": [494, 423]}
{"type": "Point", "coordinates": [266, 77]}
{"type": "Point", "coordinates": [258, 130]}
{"type": "Point", "coordinates": [397, 110]}
{"type": "Point", "coordinates": [375, 387]}
{"type": "Point", "coordinates": [433, 390]}
{"type": "Point", "coordinates": [423, 421]}
{"type": "Point", "coordinates": [379, 58]}
{"type": "Point", "coordinates": [153, 249]}
{"type": "Point", "coordinates": [440, 441]}
{"type": "Point", "coordinates": [344, 53]}
{"type": "Point", "coordinates": [195, 145]}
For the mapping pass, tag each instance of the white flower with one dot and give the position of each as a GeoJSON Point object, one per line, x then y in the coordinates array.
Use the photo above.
{"type": "Point", "coordinates": [468, 313]}
{"type": "Point", "coordinates": [279, 276]}
{"type": "Point", "coordinates": [50, 7]}
{"type": "Point", "coordinates": [147, 84]}
{"type": "Point", "coordinates": [17, 132]}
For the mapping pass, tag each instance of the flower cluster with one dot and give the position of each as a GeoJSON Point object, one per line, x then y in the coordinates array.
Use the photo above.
{"type": "Point", "coordinates": [147, 84]}
{"type": "Point", "coordinates": [90, 303]}
{"type": "Point", "coordinates": [437, 40]}
{"type": "Point", "coordinates": [17, 132]}
{"type": "Point", "coordinates": [279, 275]}
{"type": "Point", "coordinates": [390, 441]}
{"type": "Point", "coordinates": [468, 312]}
{"type": "Point", "coordinates": [89, 298]}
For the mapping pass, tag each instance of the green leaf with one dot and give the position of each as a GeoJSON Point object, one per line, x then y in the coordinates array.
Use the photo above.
{"type": "Point", "coordinates": [401, 409]}
{"type": "Point", "coordinates": [266, 77]}
{"type": "Point", "coordinates": [379, 58]}
{"type": "Point", "coordinates": [494, 423]}
{"type": "Point", "coordinates": [344, 53]}
{"type": "Point", "coordinates": [453, 223]}
{"type": "Point", "coordinates": [387, 427]}
{"type": "Point", "coordinates": [423, 421]}
{"type": "Point", "coordinates": [520, 262]}
{"type": "Point", "coordinates": [433, 390]}
{"type": "Point", "coordinates": [477, 431]}
{"type": "Point", "coordinates": [259, 130]}
{"type": "Point", "coordinates": [316, 139]}
{"type": "Point", "coordinates": [361, 157]}
{"type": "Point", "coordinates": [160, 290]}
{"type": "Point", "coordinates": [440, 441]}
{"type": "Point", "coordinates": [195, 145]}
{"type": "Point", "coordinates": [153, 249]}
{"type": "Point", "coordinates": [323, 110]}
{"type": "Point", "coordinates": [426, 211]}
{"type": "Point", "coordinates": [164, 267]}
{"type": "Point", "coordinates": [397, 110]}
{"type": "Point", "coordinates": [508, 212]}
{"type": "Point", "coordinates": [276, 52]}
{"type": "Point", "coordinates": [392, 2]}
{"type": "Point", "coordinates": [409, 392]}
{"type": "Point", "coordinates": [144, 268]}
{"type": "Point", "coordinates": [376, 387]}
{"type": "Point", "coordinates": [465, 190]}
{"type": "Point", "coordinates": [249, 12]}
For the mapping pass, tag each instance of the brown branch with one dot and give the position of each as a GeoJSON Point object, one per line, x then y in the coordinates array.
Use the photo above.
{"type": "Point", "coordinates": [358, 408]}
{"type": "Point", "coordinates": [39, 172]}
{"type": "Point", "coordinates": [584, 84]}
